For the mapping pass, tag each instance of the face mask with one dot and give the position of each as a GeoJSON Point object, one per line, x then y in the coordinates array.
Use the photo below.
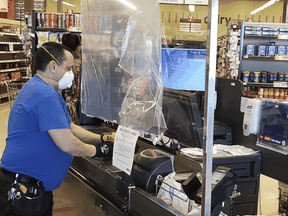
{"type": "Point", "coordinates": [66, 80]}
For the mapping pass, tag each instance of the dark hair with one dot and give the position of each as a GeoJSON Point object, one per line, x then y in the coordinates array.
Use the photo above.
{"type": "Point", "coordinates": [42, 58]}
{"type": "Point", "coordinates": [71, 40]}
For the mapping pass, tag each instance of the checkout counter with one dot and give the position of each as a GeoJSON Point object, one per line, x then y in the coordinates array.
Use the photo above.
{"type": "Point", "coordinates": [109, 191]}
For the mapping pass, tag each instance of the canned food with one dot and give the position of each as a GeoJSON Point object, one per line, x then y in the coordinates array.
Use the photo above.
{"type": "Point", "coordinates": [275, 76]}
{"type": "Point", "coordinates": [256, 77]}
{"type": "Point", "coordinates": [263, 77]}
{"type": "Point", "coordinates": [276, 93]}
{"type": "Point", "coordinates": [271, 93]}
{"type": "Point", "coordinates": [245, 76]}
{"type": "Point", "coordinates": [266, 93]}
{"type": "Point", "coordinates": [251, 76]}
{"type": "Point", "coordinates": [60, 20]}
{"type": "Point", "coordinates": [260, 92]}
{"type": "Point", "coordinates": [270, 77]}
{"type": "Point", "coordinates": [280, 76]}
{"type": "Point", "coordinates": [282, 94]}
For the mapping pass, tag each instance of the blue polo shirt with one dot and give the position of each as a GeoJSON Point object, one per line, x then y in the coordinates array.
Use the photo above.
{"type": "Point", "coordinates": [29, 148]}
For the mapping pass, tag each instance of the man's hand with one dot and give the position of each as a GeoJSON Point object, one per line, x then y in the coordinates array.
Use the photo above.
{"type": "Point", "coordinates": [108, 136]}
{"type": "Point", "coordinates": [104, 150]}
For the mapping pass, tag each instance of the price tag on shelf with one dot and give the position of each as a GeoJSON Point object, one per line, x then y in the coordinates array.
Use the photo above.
{"type": "Point", "coordinates": [279, 84]}
{"type": "Point", "coordinates": [283, 36]}
{"type": "Point", "coordinates": [279, 57]}
{"type": "Point", "coordinates": [11, 48]}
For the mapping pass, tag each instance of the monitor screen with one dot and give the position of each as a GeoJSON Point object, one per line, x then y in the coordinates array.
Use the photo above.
{"type": "Point", "coordinates": [184, 69]}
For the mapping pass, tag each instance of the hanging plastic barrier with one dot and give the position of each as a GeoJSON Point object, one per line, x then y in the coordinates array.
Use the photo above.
{"type": "Point", "coordinates": [121, 71]}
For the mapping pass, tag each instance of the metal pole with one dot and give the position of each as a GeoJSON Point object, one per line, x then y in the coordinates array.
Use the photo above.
{"type": "Point", "coordinates": [211, 55]}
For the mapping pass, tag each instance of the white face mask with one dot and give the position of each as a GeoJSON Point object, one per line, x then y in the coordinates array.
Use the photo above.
{"type": "Point", "coordinates": [66, 80]}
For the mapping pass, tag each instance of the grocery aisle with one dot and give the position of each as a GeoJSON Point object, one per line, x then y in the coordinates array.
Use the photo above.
{"type": "Point", "coordinates": [65, 198]}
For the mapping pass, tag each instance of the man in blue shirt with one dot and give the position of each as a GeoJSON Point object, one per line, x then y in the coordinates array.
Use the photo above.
{"type": "Point", "coordinates": [41, 137]}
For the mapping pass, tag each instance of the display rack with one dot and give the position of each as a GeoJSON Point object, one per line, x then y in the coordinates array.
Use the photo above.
{"type": "Point", "coordinates": [233, 48]}
{"type": "Point", "coordinates": [13, 63]}
{"type": "Point", "coordinates": [262, 70]}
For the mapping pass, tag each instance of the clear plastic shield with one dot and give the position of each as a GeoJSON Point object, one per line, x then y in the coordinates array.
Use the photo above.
{"type": "Point", "coordinates": [121, 70]}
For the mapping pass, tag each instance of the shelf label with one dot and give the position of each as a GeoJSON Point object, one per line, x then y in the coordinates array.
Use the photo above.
{"type": "Point", "coordinates": [283, 36]}
{"type": "Point", "coordinates": [279, 84]}
{"type": "Point", "coordinates": [11, 48]}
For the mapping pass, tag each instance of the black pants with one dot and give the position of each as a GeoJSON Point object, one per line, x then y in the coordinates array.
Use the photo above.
{"type": "Point", "coordinates": [6, 207]}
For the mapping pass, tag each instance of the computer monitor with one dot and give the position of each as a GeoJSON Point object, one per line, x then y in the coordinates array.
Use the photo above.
{"type": "Point", "coordinates": [184, 69]}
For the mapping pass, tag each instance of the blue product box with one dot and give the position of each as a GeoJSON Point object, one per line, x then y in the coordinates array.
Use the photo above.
{"type": "Point", "coordinates": [274, 76]}
{"type": "Point", "coordinates": [271, 43]}
{"type": "Point", "coordinates": [286, 50]}
{"type": "Point", "coordinates": [269, 29]}
{"type": "Point", "coordinates": [283, 29]}
{"type": "Point", "coordinates": [245, 76]}
{"type": "Point", "coordinates": [256, 28]}
{"type": "Point", "coordinates": [261, 50]}
{"type": "Point", "coordinates": [257, 76]}
{"type": "Point", "coordinates": [249, 50]}
{"type": "Point", "coordinates": [280, 76]}
{"type": "Point", "coordinates": [269, 33]}
{"type": "Point", "coordinates": [252, 32]}
{"type": "Point", "coordinates": [281, 49]}
{"type": "Point", "coordinates": [286, 77]}
{"type": "Point", "coordinates": [271, 51]}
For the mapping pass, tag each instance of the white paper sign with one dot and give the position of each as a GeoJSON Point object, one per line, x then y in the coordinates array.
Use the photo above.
{"type": "Point", "coordinates": [279, 84]}
{"type": "Point", "coordinates": [243, 104]}
{"type": "Point", "coordinates": [124, 147]}
{"type": "Point", "coordinates": [3, 6]}
{"type": "Point", "coordinates": [196, 2]}
{"type": "Point", "coordinates": [171, 1]}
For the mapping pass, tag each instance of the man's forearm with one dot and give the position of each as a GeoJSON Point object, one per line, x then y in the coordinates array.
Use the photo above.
{"type": "Point", "coordinates": [84, 135]}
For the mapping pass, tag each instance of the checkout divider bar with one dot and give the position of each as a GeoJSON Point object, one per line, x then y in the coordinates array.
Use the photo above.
{"type": "Point", "coordinates": [209, 104]}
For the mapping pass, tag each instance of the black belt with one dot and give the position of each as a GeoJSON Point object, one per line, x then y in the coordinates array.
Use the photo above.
{"type": "Point", "coordinates": [21, 178]}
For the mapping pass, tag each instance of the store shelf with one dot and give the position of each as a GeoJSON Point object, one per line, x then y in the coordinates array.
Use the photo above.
{"type": "Point", "coordinates": [12, 69]}
{"type": "Point", "coordinates": [3, 82]}
{"type": "Point", "coordinates": [6, 94]}
{"type": "Point", "coordinates": [259, 85]}
{"type": "Point", "coordinates": [11, 43]}
{"type": "Point", "coordinates": [14, 60]}
{"type": "Point", "coordinates": [267, 85]}
{"type": "Point", "coordinates": [262, 36]}
{"type": "Point", "coordinates": [52, 29]}
{"type": "Point", "coordinates": [5, 52]}
{"type": "Point", "coordinates": [11, 34]}
{"type": "Point", "coordinates": [261, 58]}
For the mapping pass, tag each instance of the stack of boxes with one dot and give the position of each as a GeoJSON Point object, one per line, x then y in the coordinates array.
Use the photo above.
{"type": "Point", "coordinates": [15, 75]}
{"type": "Point", "coordinates": [4, 77]}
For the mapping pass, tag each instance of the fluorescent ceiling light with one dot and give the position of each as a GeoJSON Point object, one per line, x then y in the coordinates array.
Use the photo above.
{"type": "Point", "coordinates": [128, 4]}
{"type": "Point", "coordinates": [191, 8]}
{"type": "Point", "coordinates": [268, 4]}
{"type": "Point", "coordinates": [66, 3]}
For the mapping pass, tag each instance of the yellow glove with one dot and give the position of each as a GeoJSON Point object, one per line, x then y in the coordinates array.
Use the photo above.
{"type": "Point", "coordinates": [108, 136]}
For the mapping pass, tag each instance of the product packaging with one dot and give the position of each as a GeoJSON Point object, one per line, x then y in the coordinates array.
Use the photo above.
{"type": "Point", "coordinates": [281, 49]}
{"type": "Point", "coordinates": [249, 50]}
{"type": "Point", "coordinates": [271, 51]}
{"type": "Point", "coordinates": [261, 50]}
{"type": "Point", "coordinates": [257, 75]}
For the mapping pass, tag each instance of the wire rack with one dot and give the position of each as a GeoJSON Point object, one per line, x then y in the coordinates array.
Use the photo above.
{"type": "Point", "coordinates": [12, 91]}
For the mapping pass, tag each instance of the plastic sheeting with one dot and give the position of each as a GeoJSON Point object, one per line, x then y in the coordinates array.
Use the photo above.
{"type": "Point", "coordinates": [121, 69]}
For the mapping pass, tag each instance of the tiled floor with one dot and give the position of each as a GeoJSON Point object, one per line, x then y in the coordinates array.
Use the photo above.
{"type": "Point", "coordinates": [65, 198]}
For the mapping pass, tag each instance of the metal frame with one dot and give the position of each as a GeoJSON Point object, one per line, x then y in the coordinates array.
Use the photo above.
{"type": "Point", "coordinates": [209, 107]}
{"type": "Point", "coordinates": [12, 92]}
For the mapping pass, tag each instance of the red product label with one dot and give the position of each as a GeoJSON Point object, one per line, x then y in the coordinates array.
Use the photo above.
{"type": "Point", "coordinates": [267, 138]}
